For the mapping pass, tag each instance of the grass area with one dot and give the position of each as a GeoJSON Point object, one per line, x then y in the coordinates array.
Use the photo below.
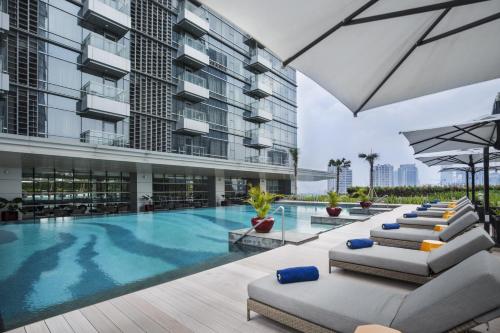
{"type": "Point", "coordinates": [407, 198]}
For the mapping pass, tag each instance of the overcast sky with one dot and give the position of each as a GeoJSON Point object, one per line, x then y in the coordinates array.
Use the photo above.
{"type": "Point", "coordinates": [327, 129]}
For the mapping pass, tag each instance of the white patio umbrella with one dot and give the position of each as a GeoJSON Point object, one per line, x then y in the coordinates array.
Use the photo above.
{"type": "Point", "coordinates": [370, 53]}
{"type": "Point", "coordinates": [477, 133]}
{"type": "Point", "coordinates": [467, 160]}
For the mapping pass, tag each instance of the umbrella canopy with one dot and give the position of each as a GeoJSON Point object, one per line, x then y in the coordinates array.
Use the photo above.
{"type": "Point", "coordinates": [370, 53]}
{"type": "Point", "coordinates": [478, 133]}
{"type": "Point", "coordinates": [464, 158]}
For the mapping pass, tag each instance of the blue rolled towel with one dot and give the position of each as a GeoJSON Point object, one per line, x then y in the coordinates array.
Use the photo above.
{"type": "Point", "coordinates": [410, 215]}
{"type": "Point", "coordinates": [359, 243]}
{"type": "Point", "coordinates": [435, 201]}
{"type": "Point", "coordinates": [426, 205]}
{"type": "Point", "coordinates": [421, 209]}
{"type": "Point", "coordinates": [388, 226]}
{"type": "Point", "coordinates": [297, 274]}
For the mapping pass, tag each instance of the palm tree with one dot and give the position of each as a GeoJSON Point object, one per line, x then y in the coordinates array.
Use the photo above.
{"type": "Point", "coordinates": [370, 158]}
{"type": "Point", "coordinates": [339, 164]}
{"type": "Point", "coordinates": [294, 153]}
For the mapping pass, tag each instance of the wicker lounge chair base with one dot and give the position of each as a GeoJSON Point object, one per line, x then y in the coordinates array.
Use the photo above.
{"type": "Point", "coordinates": [406, 244]}
{"type": "Point", "coordinates": [284, 318]}
{"type": "Point", "coordinates": [303, 325]}
{"type": "Point", "coordinates": [413, 278]}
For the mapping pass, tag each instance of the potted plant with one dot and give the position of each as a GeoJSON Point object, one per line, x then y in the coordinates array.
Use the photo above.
{"type": "Point", "coordinates": [261, 202]}
{"type": "Point", "coordinates": [12, 212]}
{"type": "Point", "coordinates": [364, 199]}
{"type": "Point", "coordinates": [333, 201]}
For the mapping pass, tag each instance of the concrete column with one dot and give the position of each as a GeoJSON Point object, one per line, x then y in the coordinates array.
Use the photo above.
{"type": "Point", "coordinates": [11, 175]}
{"type": "Point", "coordinates": [141, 184]}
{"type": "Point", "coordinates": [216, 189]}
{"type": "Point", "coordinates": [263, 185]}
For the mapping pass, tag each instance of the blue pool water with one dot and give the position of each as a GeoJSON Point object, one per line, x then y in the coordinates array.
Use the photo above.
{"type": "Point", "coordinates": [54, 266]}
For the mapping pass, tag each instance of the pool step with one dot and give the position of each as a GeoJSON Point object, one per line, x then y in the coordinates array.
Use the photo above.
{"type": "Point", "coordinates": [369, 211]}
{"type": "Point", "coordinates": [270, 240]}
{"type": "Point", "coordinates": [338, 221]}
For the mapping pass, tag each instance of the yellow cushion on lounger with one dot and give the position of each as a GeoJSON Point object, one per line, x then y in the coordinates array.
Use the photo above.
{"type": "Point", "coordinates": [439, 227]}
{"type": "Point", "coordinates": [375, 329]}
{"type": "Point", "coordinates": [428, 245]}
{"type": "Point", "coordinates": [452, 205]}
{"type": "Point", "coordinates": [447, 215]}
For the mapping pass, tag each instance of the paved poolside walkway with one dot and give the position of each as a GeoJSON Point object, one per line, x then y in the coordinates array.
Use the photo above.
{"type": "Point", "coordinates": [209, 301]}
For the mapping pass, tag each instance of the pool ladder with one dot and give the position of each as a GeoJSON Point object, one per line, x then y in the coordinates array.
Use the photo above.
{"type": "Point", "coordinates": [255, 226]}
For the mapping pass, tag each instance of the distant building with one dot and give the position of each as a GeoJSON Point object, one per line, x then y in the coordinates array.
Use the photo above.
{"type": "Point", "coordinates": [383, 175]}
{"type": "Point", "coordinates": [452, 178]}
{"type": "Point", "coordinates": [345, 180]}
{"type": "Point", "coordinates": [407, 175]}
{"type": "Point", "coordinates": [457, 178]}
{"type": "Point", "coordinates": [395, 178]}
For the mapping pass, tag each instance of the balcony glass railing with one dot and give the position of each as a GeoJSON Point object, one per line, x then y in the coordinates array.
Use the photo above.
{"type": "Point", "coordinates": [190, 150]}
{"type": "Point", "coordinates": [193, 114]}
{"type": "Point", "coordinates": [4, 6]}
{"type": "Point", "coordinates": [257, 133]}
{"type": "Point", "coordinates": [114, 93]}
{"type": "Point", "coordinates": [104, 138]}
{"type": "Point", "coordinates": [120, 5]}
{"type": "Point", "coordinates": [107, 45]}
{"type": "Point", "coordinates": [194, 43]}
{"type": "Point", "coordinates": [193, 78]}
{"type": "Point", "coordinates": [199, 11]}
{"type": "Point", "coordinates": [261, 105]}
{"type": "Point", "coordinates": [266, 160]}
{"type": "Point", "coordinates": [260, 79]}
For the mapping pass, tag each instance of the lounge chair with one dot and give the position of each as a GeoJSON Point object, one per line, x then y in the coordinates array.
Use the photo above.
{"type": "Point", "coordinates": [431, 222]}
{"type": "Point", "coordinates": [411, 265]}
{"type": "Point", "coordinates": [447, 203]}
{"type": "Point", "coordinates": [411, 238]}
{"type": "Point", "coordinates": [438, 212]}
{"type": "Point", "coordinates": [459, 299]}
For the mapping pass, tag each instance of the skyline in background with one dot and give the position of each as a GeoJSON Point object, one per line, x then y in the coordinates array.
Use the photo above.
{"type": "Point", "coordinates": [327, 129]}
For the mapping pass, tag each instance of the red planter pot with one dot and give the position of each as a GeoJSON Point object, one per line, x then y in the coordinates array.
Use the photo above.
{"type": "Point", "coordinates": [265, 226]}
{"type": "Point", "coordinates": [365, 204]}
{"type": "Point", "coordinates": [333, 211]}
{"type": "Point", "coordinates": [10, 216]}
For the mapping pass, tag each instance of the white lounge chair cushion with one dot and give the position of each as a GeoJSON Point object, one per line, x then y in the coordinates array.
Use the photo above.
{"type": "Point", "coordinates": [409, 234]}
{"type": "Point", "coordinates": [459, 249]}
{"type": "Point", "coordinates": [340, 301]}
{"type": "Point", "coordinates": [465, 292]}
{"type": "Point", "coordinates": [385, 257]}
{"type": "Point", "coordinates": [460, 225]}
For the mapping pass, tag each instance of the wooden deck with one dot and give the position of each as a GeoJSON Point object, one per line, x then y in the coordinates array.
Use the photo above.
{"type": "Point", "coordinates": [210, 301]}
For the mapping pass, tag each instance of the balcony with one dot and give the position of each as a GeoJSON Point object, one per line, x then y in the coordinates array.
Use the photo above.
{"type": "Point", "coordinates": [193, 19]}
{"type": "Point", "coordinates": [192, 53]}
{"type": "Point", "coordinates": [114, 15]}
{"type": "Point", "coordinates": [4, 75]}
{"type": "Point", "coordinates": [4, 17]}
{"type": "Point", "coordinates": [265, 160]}
{"type": "Point", "coordinates": [260, 86]}
{"type": "Point", "coordinates": [258, 139]}
{"type": "Point", "coordinates": [103, 55]}
{"type": "Point", "coordinates": [104, 102]}
{"type": "Point", "coordinates": [259, 113]}
{"type": "Point", "coordinates": [192, 122]}
{"type": "Point", "coordinates": [190, 150]}
{"type": "Point", "coordinates": [104, 138]}
{"type": "Point", "coordinates": [258, 61]}
{"type": "Point", "coordinates": [192, 87]}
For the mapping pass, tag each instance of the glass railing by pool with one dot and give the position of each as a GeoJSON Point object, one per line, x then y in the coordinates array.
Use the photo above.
{"type": "Point", "coordinates": [57, 265]}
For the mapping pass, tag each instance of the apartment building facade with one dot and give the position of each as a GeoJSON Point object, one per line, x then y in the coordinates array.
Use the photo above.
{"type": "Point", "coordinates": [345, 179]}
{"type": "Point", "coordinates": [116, 102]}
{"type": "Point", "coordinates": [383, 175]}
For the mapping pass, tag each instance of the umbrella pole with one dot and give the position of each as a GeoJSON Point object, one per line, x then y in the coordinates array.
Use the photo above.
{"type": "Point", "coordinates": [473, 186]}
{"type": "Point", "coordinates": [467, 183]}
{"type": "Point", "coordinates": [486, 189]}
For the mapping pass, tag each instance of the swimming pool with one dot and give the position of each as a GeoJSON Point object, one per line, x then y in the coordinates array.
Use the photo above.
{"type": "Point", "coordinates": [58, 265]}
